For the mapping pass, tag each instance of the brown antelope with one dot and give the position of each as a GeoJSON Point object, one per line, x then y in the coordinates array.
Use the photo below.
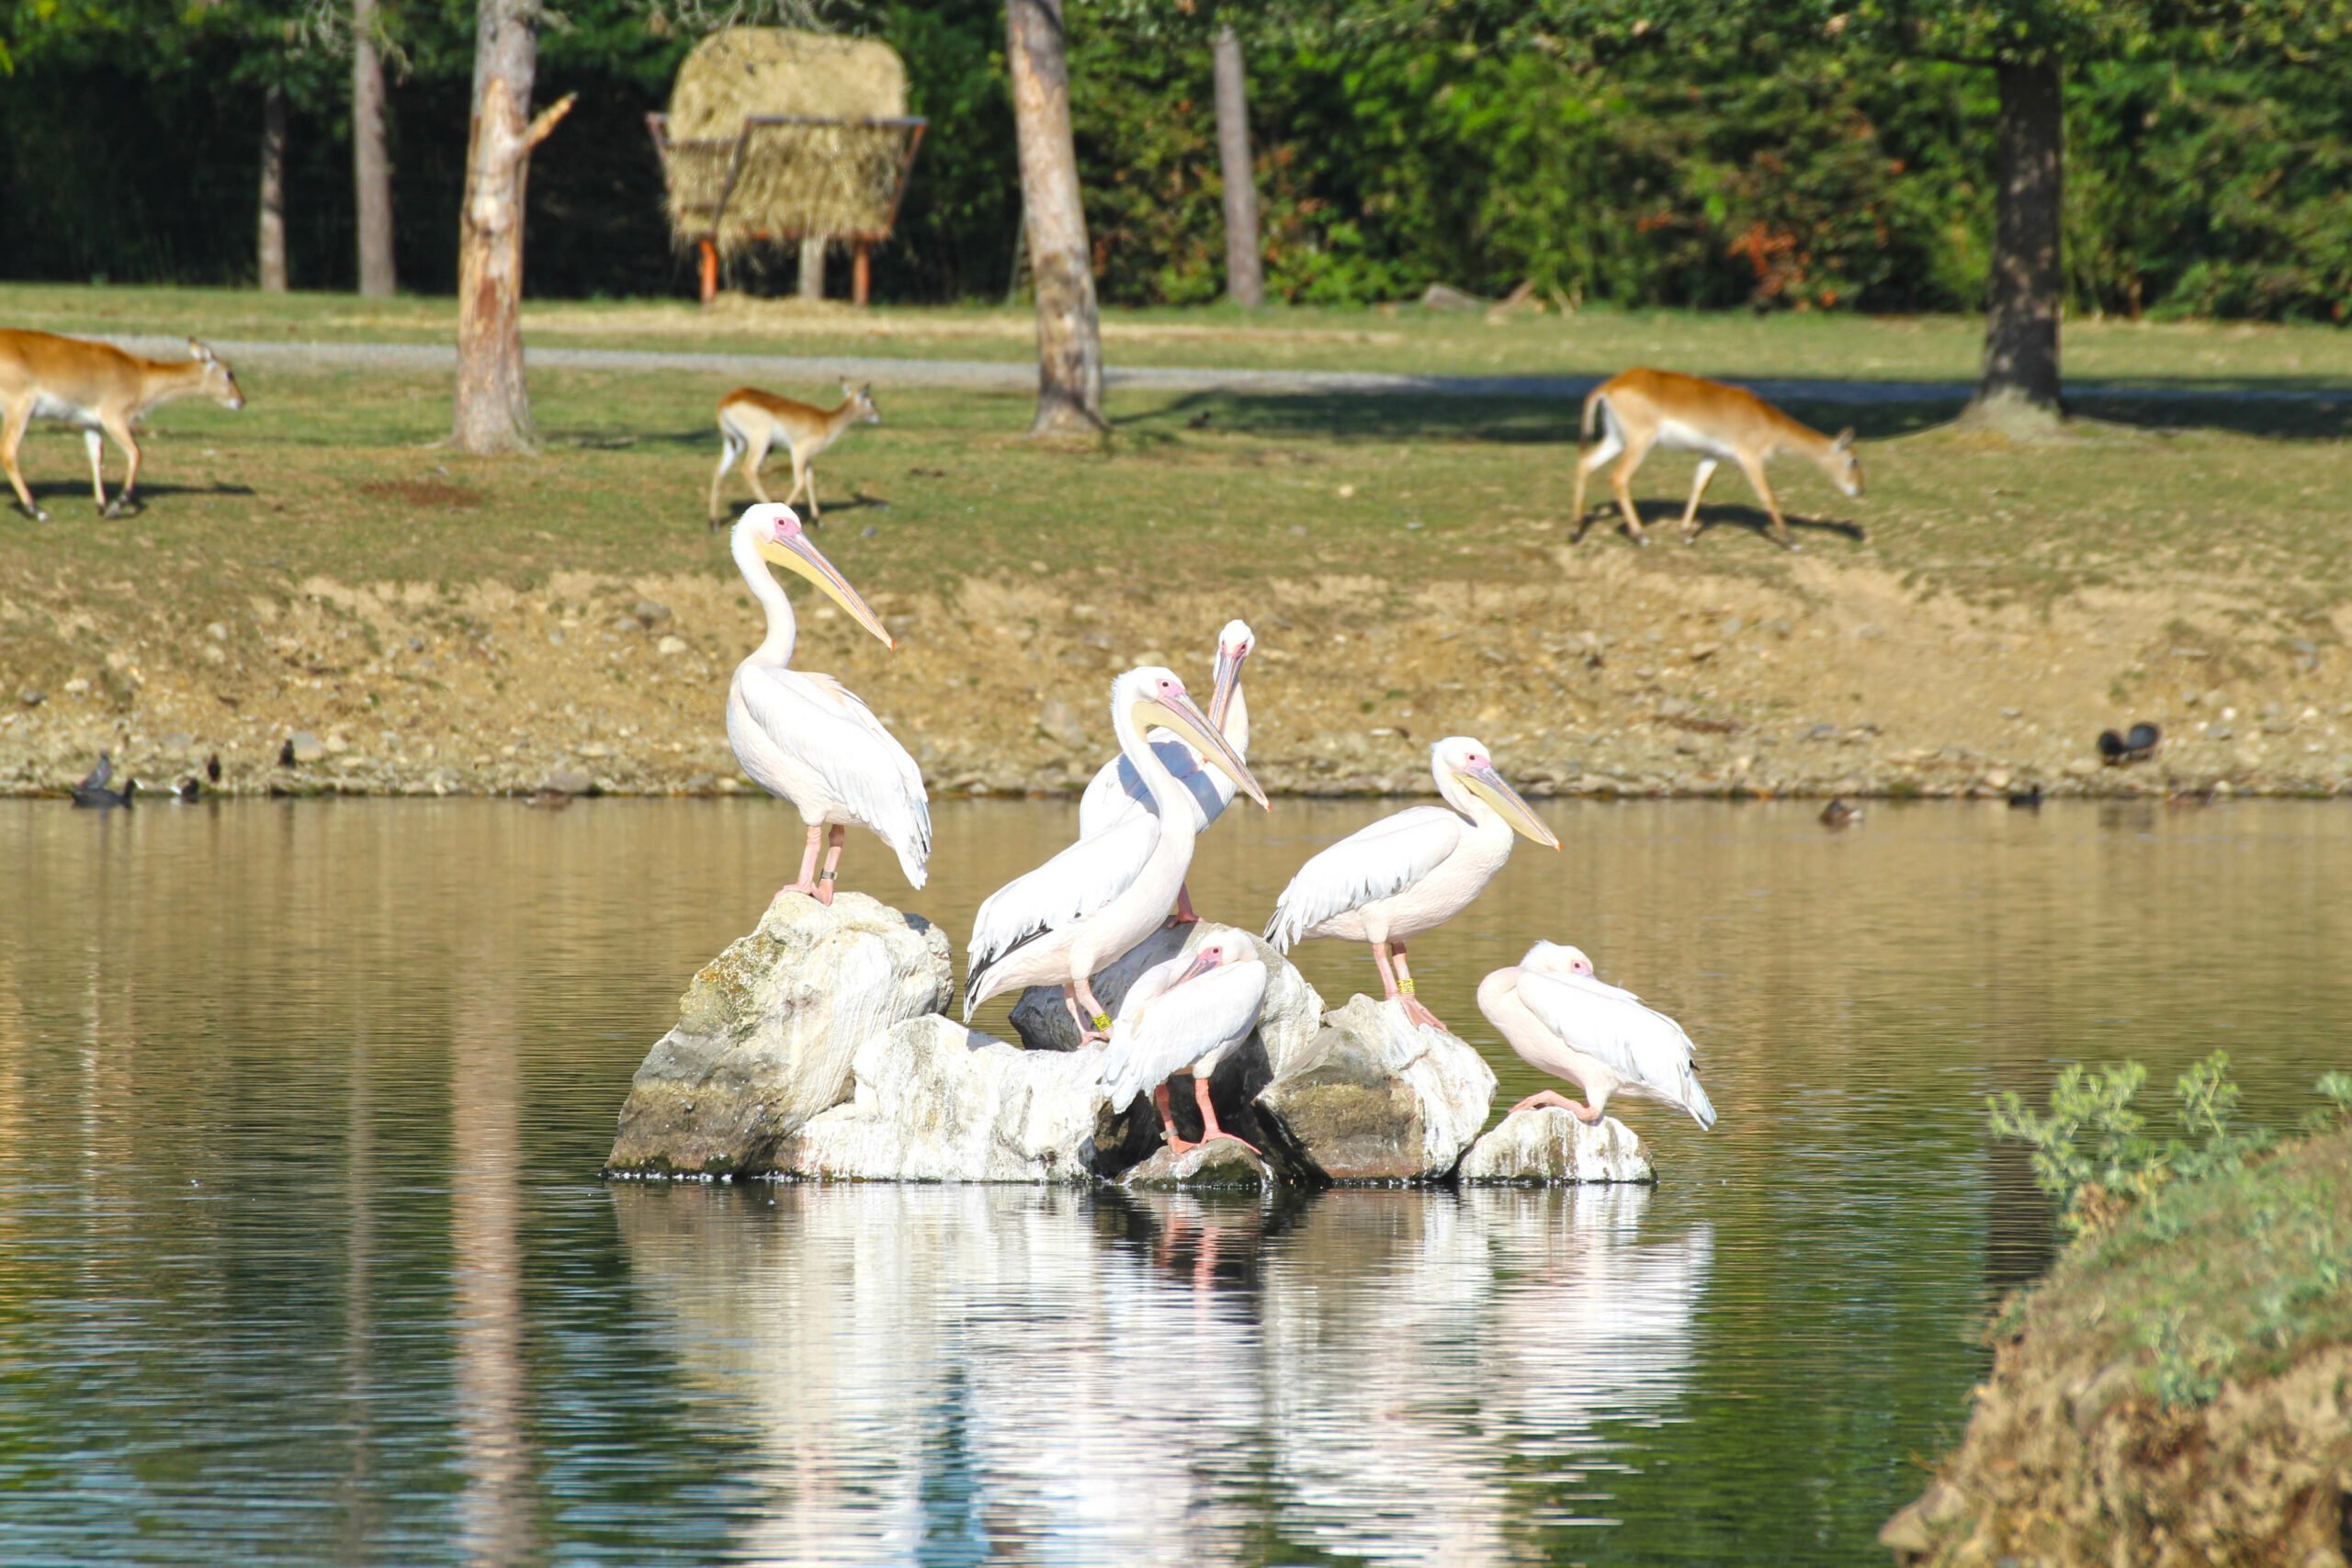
{"type": "Point", "coordinates": [1643, 408]}
{"type": "Point", "coordinates": [99, 390]}
{"type": "Point", "coordinates": [750, 420]}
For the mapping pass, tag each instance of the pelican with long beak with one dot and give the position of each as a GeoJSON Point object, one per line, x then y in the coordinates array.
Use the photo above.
{"type": "Point", "coordinates": [1086, 908]}
{"type": "Point", "coordinates": [1116, 791]}
{"type": "Point", "coordinates": [1562, 1021]}
{"type": "Point", "coordinates": [1413, 872]}
{"type": "Point", "coordinates": [804, 736]}
{"type": "Point", "coordinates": [1188, 1013]}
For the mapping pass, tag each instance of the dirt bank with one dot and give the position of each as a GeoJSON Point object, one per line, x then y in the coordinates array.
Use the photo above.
{"type": "Point", "coordinates": [1592, 672]}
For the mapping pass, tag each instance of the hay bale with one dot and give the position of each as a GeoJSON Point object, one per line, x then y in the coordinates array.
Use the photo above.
{"type": "Point", "coordinates": [835, 179]}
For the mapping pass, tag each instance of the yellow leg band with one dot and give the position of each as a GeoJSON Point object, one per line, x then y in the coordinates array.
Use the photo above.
{"type": "Point", "coordinates": [1406, 985]}
{"type": "Point", "coordinates": [1102, 1020]}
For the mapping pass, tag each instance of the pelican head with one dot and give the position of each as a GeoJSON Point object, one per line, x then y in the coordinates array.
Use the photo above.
{"type": "Point", "coordinates": [1231, 947]}
{"type": "Point", "coordinates": [1234, 645]}
{"type": "Point", "coordinates": [1460, 760]}
{"type": "Point", "coordinates": [1556, 958]}
{"type": "Point", "coordinates": [1152, 695]}
{"type": "Point", "coordinates": [774, 533]}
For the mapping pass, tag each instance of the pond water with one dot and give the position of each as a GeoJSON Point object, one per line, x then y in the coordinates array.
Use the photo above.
{"type": "Point", "coordinates": [303, 1256]}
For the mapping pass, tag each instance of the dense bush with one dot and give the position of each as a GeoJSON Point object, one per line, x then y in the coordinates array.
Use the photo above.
{"type": "Point", "coordinates": [1387, 160]}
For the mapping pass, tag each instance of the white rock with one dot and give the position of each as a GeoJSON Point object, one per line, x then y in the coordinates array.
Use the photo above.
{"type": "Point", "coordinates": [931, 1100]}
{"type": "Point", "coordinates": [1374, 1098]}
{"type": "Point", "coordinates": [1548, 1145]}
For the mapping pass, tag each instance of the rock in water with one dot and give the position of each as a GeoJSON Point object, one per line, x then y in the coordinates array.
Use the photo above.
{"type": "Point", "coordinates": [1220, 1164]}
{"type": "Point", "coordinates": [931, 1100]}
{"type": "Point", "coordinates": [765, 1033]}
{"type": "Point", "coordinates": [1548, 1146]}
{"type": "Point", "coordinates": [1374, 1098]}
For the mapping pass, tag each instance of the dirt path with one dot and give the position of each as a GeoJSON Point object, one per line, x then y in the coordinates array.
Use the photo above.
{"type": "Point", "coordinates": [991, 376]}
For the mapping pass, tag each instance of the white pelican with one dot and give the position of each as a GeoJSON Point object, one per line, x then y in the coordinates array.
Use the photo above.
{"type": "Point", "coordinates": [1409, 873]}
{"type": "Point", "coordinates": [804, 736]}
{"type": "Point", "coordinates": [1562, 1021]}
{"type": "Point", "coordinates": [1096, 901]}
{"type": "Point", "coordinates": [1117, 790]}
{"type": "Point", "coordinates": [1187, 1012]}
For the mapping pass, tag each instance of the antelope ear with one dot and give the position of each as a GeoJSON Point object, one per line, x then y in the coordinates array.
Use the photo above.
{"type": "Point", "coordinates": [866, 391]}
{"type": "Point", "coordinates": [1845, 439]}
{"type": "Point", "coordinates": [201, 352]}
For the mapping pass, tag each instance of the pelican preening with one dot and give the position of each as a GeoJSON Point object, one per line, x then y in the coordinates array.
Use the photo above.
{"type": "Point", "coordinates": [805, 736]}
{"type": "Point", "coordinates": [1413, 872]}
{"type": "Point", "coordinates": [1187, 1012]}
{"type": "Point", "coordinates": [1090, 904]}
{"type": "Point", "coordinates": [1117, 790]}
{"type": "Point", "coordinates": [1562, 1021]}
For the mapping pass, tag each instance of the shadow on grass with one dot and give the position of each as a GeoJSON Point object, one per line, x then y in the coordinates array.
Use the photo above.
{"type": "Point", "coordinates": [1663, 524]}
{"type": "Point", "coordinates": [54, 494]}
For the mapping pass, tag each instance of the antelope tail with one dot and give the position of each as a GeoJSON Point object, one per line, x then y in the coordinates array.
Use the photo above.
{"type": "Point", "coordinates": [1592, 402]}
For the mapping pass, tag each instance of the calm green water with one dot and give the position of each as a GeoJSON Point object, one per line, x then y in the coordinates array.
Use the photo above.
{"type": "Point", "coordinates": [303, 1258]}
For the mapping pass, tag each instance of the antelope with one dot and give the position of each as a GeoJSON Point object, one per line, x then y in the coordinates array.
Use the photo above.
{"type": "Point", "coordinates": [1641, 408]}
{"type": "Point", "coordinates": [750, 420]}
{"type": "Point", "coordinates": [99, 390]}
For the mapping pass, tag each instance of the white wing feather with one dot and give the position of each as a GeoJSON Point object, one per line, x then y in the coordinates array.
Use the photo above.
{"type": "Point", "coordinates": [1366, 866]}
{"type": "Point", "coordinates": [1071, 886]}
{"type": "Point", "coordinates": [1640, 1044]}
{"type": "Point", "coordinates": [832, 734]}
{"type": "Point", "coordinates": [1164, 1028]}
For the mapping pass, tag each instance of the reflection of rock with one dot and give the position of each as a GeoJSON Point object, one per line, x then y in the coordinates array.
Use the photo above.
{"type": "Point", "coordinates": [931, 1100]}
{"type": "Point", "coordinates": [1222, 1163]}
{"type": "Point", "coordinates": [766, 1031]}
{"type": "Point", "coordinates": [1374, 1098]}
{"type": "Point", "coordinates": [1547, 1145]}
{"type": "Point", "coordinates": [1286, 1025]}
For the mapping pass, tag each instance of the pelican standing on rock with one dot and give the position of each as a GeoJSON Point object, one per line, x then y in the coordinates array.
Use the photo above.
{"type": "Point", "coordinates": [804, 736]}
{"type": "Point", "coordinates": [1413, 872]}
{"type": "Point", "coordinates": [1562, 1021]}
{"type": "Point", "coordinates": [1090, 904]}
{"type": "Point", "coordinates": [1188, 1012]}
{"type": "Point", "coordinates": [1116, 791]}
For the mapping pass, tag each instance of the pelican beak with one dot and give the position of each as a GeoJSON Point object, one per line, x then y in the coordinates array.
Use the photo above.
{"type": "Point", "coordinates": [1193, 728]}
{"type": "Point", "coordinates": [1203, 961]}
{"type": "Point", "coordinates": [1226, 683]}
{"type": "Point", "coordinates": [794, 553]}
{"type": "Point", "coordinates": [1489, 784]}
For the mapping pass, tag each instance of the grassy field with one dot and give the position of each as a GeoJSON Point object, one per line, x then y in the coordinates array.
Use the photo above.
{"type": "Point", "coordinates": [1392, 338]}
{"type": "Point", "coordinates": [2164, 549]}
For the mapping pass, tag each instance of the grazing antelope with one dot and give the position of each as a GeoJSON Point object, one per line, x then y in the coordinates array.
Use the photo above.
{"type": "Point", "coordinates": [750, 420]}
{"type": "Point", "coordinates": [100, 390]}
{"type": "Point", "coordinates": [1643, 408]}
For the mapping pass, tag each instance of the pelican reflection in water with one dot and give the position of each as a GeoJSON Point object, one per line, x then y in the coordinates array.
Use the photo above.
{"type": "Point", "coordinates": [1162, 1377]}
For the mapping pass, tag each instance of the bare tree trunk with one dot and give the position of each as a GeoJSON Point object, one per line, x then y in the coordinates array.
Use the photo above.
{"type": "Point", "coordinates": [493, 408]}
{"type": "Point", "coordinates": [1069, 330]}
{"type": "Point", "coordinates": [272, 237]}
{"type": "Point", "coordinates": [371, 167]}
{"type": "Point", "coordinates": [1245, 278]}
{"type": "Point", "coordinates": [2022, 304]}
{"type": "Point", "coordinates": [812, 267]}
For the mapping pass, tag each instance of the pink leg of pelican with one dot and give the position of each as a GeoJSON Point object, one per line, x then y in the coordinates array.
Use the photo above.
{"type": "Point", "coordinates": [1210, 1131]}
{"type": "Point", "coordinates": [1414, 1010]}
{"type": "Point", "coordinates": [808, 882]}
{"type": "Point", "coordinates": [1095, 1023]}
{"type": "Point", "coordinates": [1545, 1098]}
{"type": "Point", "coordinates": [1168, 1135]}
{"type": "Point", "coordinates": [832, 866]}
{"type": "Point", "coordinates": [1184, 915]}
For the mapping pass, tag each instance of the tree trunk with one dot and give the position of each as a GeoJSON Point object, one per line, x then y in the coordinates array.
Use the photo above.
{"type": "Point", "coordinates": [1245, 278]}
{"type": "Point", "coordinates": [371, 167]}
{"type": "Point", "coordinates": [2021, 310]}
{"type": "Point", "coordinates": [1069, 331]}
{"type": "Point", "coordinates": [272, 237]}
{"type": "Point", "coordinates": [494, 409]}
{"type": "Point", "coordinates": [812, 267]}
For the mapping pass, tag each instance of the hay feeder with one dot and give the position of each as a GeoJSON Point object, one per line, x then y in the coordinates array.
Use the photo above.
{"type": "Point", "coordinates": [774, 135]}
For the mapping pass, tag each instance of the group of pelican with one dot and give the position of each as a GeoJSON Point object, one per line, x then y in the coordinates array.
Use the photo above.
{"type": "Point", "coordinates": [808, 738]}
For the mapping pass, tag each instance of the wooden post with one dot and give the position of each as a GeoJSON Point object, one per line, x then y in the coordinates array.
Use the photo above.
{"type": "Point", "coordinates": [861, 264]}
{"type": "Point", "coordinates": [272, 236]}
{"type": "Point", "coordinates": [1069, 331]}
{"type": "Point", "coordinates": [709, 271]}
{"type": "Point", "coordinates": [371, 161]}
